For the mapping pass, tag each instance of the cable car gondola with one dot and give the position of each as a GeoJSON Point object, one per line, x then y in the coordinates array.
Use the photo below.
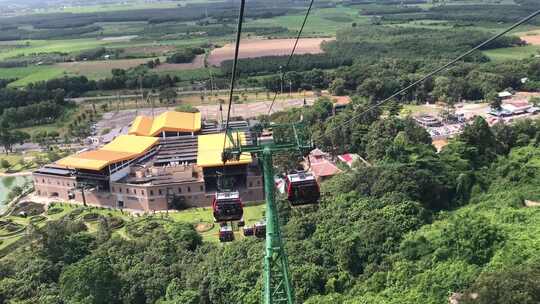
{"type": "Point", "coordinates": [302, 188]}
{"type": "Point", "coordinates": [226, 234]}
{"type": "Point", "coordinates": [227, 206]}
{"type": "Point", "coordinates": [260, 229]}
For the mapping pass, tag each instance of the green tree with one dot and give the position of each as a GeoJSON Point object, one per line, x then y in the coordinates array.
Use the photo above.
{"type": "Point", "coordinates": [494, 101]}
{"type": "Point", "coordinates": [518, 285]}
{"type": "Point", "coordinates": [92, 280]}
{"type": "Point", "coordinates": [168, 94]}
{"type": "Point", "coordinates": [337, 87]}
{"type": "Point", "coordinates": [4, 163]}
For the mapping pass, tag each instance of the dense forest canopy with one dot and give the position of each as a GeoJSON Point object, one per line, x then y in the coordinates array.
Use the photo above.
{"type": "Point", "coordinates": [411, 228]}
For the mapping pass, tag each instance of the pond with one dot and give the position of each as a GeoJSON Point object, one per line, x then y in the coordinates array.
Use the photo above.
{"type": "Point", "coordinates": [7, 183]}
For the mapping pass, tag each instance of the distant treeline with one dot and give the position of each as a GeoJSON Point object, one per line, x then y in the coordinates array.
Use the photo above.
{"type": "Point", "coordinates": [364, 43]}
{"type": "Point", "coordinates": [272, 64]}
{"type": "Point", "coordinates": [31, 106]}
{"type": "Point", "coordinates": [191, 12]}
{"type": "Point", "coordinates": [388, 10]}
{"type": "Point", "coordinates": [383, 2]}
{"type": "Point", "coordinates": [185, 56]}
{"type": "Point", "coordinates": [15, 33]}
{"type": "Point", "coordinates": [506, 13]}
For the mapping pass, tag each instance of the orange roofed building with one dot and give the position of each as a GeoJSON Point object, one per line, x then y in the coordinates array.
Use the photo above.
{"type": "Point", "coordinates": [162, 163]}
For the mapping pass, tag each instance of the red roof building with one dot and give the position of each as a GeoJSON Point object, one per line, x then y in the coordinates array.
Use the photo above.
{"type": "Point", "coordinates": [320, 165]}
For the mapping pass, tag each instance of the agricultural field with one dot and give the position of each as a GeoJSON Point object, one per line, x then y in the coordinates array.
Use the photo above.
{"type": "Point", "coordinates": [99, 69]}
{"type": "Point", "coordinates": [35, 74]}
{"type": "Point", "coordinates": [513, 53]}
{"type": "Point", "coordinates": [26, 47]}
{"type": "Point", "coordinates": [323, 22]}
{"type": "Point", "coordinates": [266, 47]}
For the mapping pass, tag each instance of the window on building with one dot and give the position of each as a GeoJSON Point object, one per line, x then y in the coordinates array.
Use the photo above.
{"type": "Point", "coordinates": [142, 192]}
{"type": "Point", "coordinates": [250, 184]}
{"type": "Point", "coordinates": [258, 182]}
{"type": "Point", "coordinates": [188, 189]}
{"type": "Point", "coordinates": [120, 190]}
{"type": "Point", "coordinates": [151, 192]}
{"type": "Point", "coordinates": [43, 180]}
{"type": "Point", "coordinates": [179, 189]}
{"type": "Point", "coordinates": [135, 191]}
{"type": "Point", "coordinates": [160, 192]}
{"type": "Point", "coordinates": [127, 190]}
{"type": "Point", "coordinates": [202, 188]}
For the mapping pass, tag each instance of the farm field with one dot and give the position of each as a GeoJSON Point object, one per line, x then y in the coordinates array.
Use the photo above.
{"type": "Point", "coordinates": [33, 74]}
{"type": "Point", "coordinates": [22, 72]}
{"type": "Point", "coordinates": [49, 46]}
{"type": "Point", "coordinates": [322, 22]}
{"type": "Point", "coordinates": [513, 53]}
{"type": "Point", "coordinates": [266, 47]}
{"type": "Point", "coordinates": [532, 37]}
{"type": "Point", "coordinates": [101, 68]}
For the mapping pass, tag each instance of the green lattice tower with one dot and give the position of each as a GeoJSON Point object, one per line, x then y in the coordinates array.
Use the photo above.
{"type": "Point", "coordinates": [287, 138]}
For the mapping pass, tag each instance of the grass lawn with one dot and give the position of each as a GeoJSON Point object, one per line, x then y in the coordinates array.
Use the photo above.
{"type": "Point", "coordinates": [252, 214]}
{"type": "Point", "coordinates": [513, 53]}
{"type": "Point", "coordinates": [15, 158]}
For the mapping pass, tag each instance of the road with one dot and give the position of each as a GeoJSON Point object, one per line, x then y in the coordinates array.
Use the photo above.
{"type": "Point", "coordinates": [123, 118]}
{"type": "Point", "coordinates": [132, 96]}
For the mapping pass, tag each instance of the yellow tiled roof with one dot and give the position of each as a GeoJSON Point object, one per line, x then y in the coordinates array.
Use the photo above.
{"type": "Point", "coordinates": [176, 122]}
{"type": "Point", "coordinates": [124, 147]}
{"type": "Point", "coordinates": [211, 147]}
{"type": "Point", "coordinates": [141, 126]}
{"type": "Point", "coordinates": [131, 144]}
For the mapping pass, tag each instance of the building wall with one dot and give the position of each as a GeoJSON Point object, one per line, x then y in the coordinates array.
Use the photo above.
{"type": "Point", "coordinates": [140, 197]}
{"type": "Point", "coordinates": [53, 186]}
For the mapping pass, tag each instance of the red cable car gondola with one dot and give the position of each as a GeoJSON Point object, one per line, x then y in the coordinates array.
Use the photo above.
{"type": "Point", "coordinates": [302, 188]}
{"type": "Point", "coordinates": [227, 206]}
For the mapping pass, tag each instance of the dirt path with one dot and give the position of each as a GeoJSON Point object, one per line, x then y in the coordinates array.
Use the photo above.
{"type": "Point", "coordinates": [22, 173]}
{"type": "Point", "coordinates": [532, 39]}
{"type": "Point", "coordinates": [253, 48]}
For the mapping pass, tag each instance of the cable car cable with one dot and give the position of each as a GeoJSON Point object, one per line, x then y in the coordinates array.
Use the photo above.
{"type": "Point", "coordinates": [292, 52]}
{"type": "Point", "coordinates": [429, 75]}
{"type": "Point", "coordinates": [233, 80]}
{"type": "Point", "coordinates": [234, 68]}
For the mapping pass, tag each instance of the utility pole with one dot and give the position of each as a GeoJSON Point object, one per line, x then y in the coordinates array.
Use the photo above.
{"type": "Point", "coordinates": [281, 77]}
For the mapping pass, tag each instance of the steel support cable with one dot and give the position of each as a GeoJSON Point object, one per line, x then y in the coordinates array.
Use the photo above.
{"type": "Point", "coordinates": [292, 52]}
{"type": "Point", "coordinates": [234, 68]}
{"type": "Point", "coordinates": [429, 75]}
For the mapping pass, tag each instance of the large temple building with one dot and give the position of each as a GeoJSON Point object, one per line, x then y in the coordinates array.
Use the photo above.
{"type": "Point", "coordinates": [167, 162]}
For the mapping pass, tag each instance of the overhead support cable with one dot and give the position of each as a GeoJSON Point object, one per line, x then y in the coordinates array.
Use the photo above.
{"type": "Point", "coordinates": [291, 55]}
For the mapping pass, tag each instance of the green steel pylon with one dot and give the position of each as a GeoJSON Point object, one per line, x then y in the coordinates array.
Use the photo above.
{"type": "Point", "coordinates": [286, 138]}
{"type": "Point", "coordinates": [277, 281]}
